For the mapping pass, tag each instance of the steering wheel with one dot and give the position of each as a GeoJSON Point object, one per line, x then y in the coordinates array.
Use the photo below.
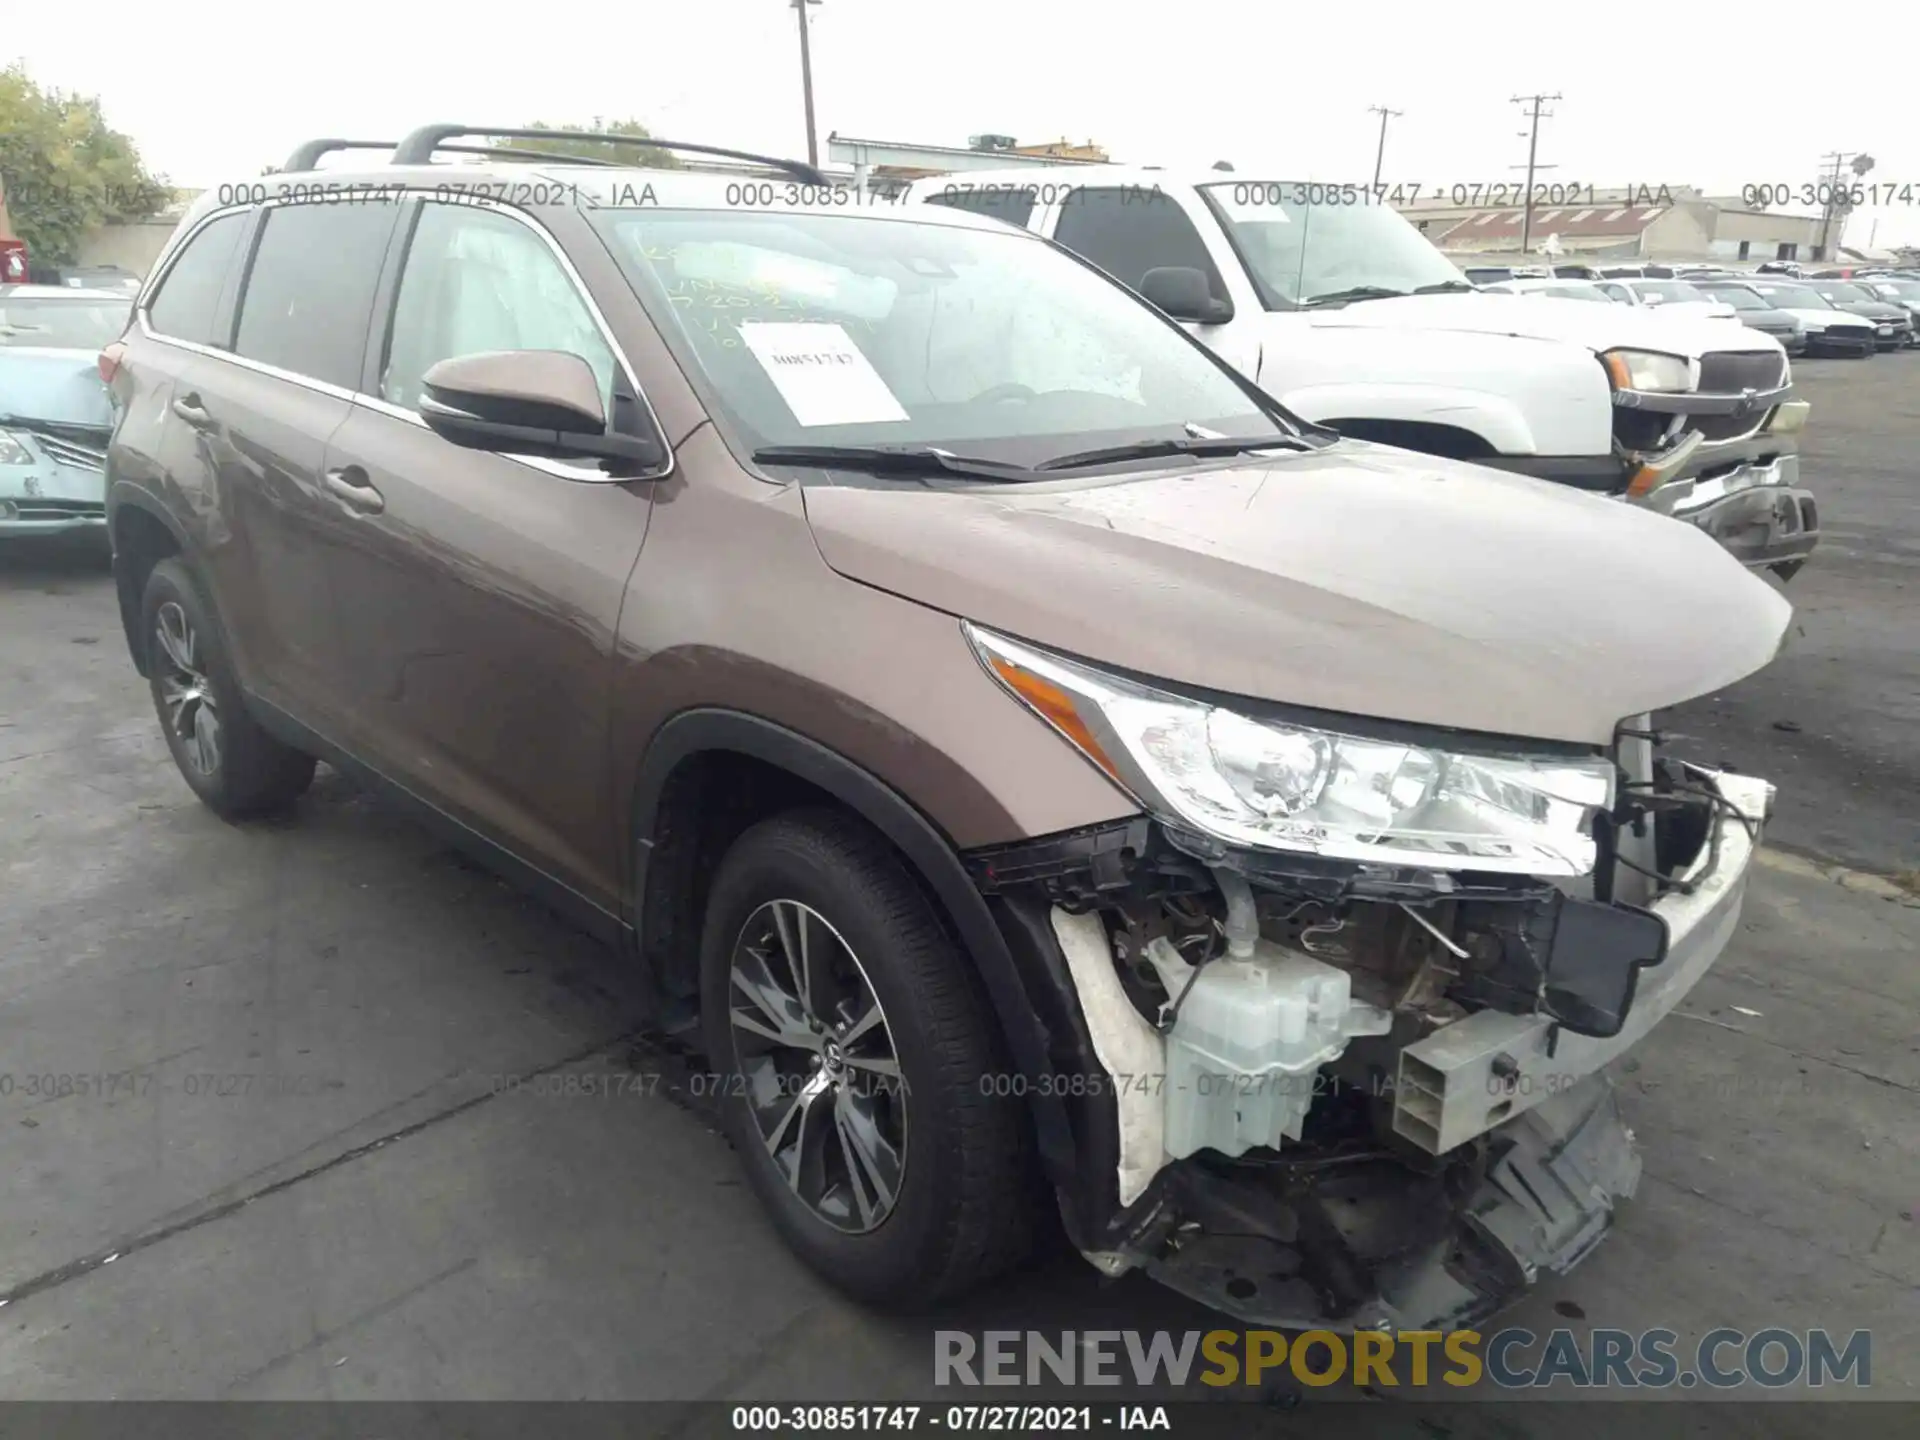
{"type": "Point", "coordinates": [1011, 390]}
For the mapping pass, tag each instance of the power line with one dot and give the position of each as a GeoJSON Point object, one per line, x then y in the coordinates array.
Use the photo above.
{"type": "Point", "coordinates": [1381, 153]}
{"type": "Point", "coordinates": [1532, 132]}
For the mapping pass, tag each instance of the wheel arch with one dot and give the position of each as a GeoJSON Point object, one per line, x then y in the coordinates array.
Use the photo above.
{"type": "Point", "coordinates": [1454, 442]}
{"type": "Point", "coordinates": [142, 534]}
{"type": "Point", "coordinates": [708, 732]}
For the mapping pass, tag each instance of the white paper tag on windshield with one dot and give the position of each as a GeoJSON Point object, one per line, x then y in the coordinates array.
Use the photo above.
{"type": "Point", "coordinates": [821, 374]}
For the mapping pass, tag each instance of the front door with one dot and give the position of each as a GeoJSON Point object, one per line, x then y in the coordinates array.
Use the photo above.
{"type": "Point", "coordinates": [476, 594]}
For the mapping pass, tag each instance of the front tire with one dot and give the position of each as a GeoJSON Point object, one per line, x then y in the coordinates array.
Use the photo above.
{"type": "Point", "coordinates": [856, 1058]}
{"type": "Point", "coordinates": [236, 768]}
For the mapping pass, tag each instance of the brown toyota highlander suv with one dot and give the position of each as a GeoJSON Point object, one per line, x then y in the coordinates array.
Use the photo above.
{"type": "Point", "coordinates": [1038, 770]}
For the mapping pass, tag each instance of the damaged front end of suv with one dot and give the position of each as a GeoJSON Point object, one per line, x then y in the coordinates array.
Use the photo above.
{"type": "Point", "coordinates": [1329, 1019]}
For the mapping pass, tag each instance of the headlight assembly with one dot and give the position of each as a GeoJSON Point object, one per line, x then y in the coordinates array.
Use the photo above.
{"type": "Point", "coordinates": [1281, 786]}
{"type": "Point", "coordinates": [12, 452]}
{"type": "Point", "coordinates": [1648, 370]}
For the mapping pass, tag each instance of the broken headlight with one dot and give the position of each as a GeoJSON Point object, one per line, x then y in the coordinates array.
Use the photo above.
{"type": "Point", "coordinates": [1648, 370]}
{"type": "Point", "coordinates": [1282, 786]}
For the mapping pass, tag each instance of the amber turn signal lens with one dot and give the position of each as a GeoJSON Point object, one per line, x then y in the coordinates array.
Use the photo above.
{"type": "Point", "coordinates": [1056, 705]}
{"type": "Point", "coordinates": [1645, 481]}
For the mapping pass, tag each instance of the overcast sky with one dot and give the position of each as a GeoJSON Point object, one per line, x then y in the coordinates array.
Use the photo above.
{"type": "Point", "coordinates": [217, 89]}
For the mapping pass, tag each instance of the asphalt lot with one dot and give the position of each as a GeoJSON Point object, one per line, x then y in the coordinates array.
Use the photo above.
{"type": "Point", "coordinates": [364, 1217]}
{"type": "Point", "coordinates": [1835, 721]}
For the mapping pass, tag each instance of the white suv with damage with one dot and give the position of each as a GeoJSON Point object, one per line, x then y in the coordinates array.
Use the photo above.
{"type": "Point", "coordinates": [1337, 306]}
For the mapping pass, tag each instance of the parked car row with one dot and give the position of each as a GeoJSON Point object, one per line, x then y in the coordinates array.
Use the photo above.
{"type": "Point", "coordinates": [1808, 315]}
{"type": "Point", "coordinates": [55, 411]}
{"type": "Point", "coordinates": [1031, 760]}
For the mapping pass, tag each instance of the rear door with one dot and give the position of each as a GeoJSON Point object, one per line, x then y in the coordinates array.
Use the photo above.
{"type": "Point", "coordinates": [187, 311]}
{"type": "Point", "coordinates": [478, 594]}
{"type": "Point", "coordinates": [262, 401]}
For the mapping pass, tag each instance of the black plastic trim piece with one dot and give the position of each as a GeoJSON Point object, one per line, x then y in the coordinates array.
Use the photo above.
{"type": "Point", "coordinates": [123, 495]}
{"type": "Point", "coordinates": [1011, 991]}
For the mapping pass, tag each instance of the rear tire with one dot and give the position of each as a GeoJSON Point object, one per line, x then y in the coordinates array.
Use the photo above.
{"type": "Point", "coordinates": [821, 884]}
{"type": "Point", "coordinates": [236, 768]}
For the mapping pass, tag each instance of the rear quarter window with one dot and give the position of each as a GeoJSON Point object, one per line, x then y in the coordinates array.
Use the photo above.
{"type": "Point", "coordinates": [187, 304]}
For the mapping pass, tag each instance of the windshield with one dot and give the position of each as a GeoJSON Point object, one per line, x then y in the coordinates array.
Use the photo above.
{"type": "Point", "coordinates": [1794, 297]}
{"type": "Point", "coordinates": [1661, 291]}
{"type": "Point", "coordinates": [62, 324]}
{"type": "Point", "coordinates": [1905, 289]}
{"type": "Point", "coordinates": [1737, 297]}
{"type": "Point", "coordinates": [1843, 294]}
{"type": "Point", "coordinates": [1298, 251]}
{"type": "Point", "coordinates": [843, 330]}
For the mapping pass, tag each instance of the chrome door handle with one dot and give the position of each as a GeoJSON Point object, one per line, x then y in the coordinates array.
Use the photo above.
{"type": "Point", "coordinates": [350, 485]}
{"type": "Point", "coordinates": [188, 409]}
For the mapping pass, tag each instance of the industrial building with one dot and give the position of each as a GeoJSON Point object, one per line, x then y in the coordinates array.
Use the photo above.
{"type": "Point", "coordinates": [882, 164]}
{"type": "Point", "coordinates": [1640, 222]}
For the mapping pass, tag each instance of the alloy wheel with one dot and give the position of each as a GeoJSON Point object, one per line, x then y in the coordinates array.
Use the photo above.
{"type": "Point", "coordinates": [818, 1069]}
{"type": "Point", "coordinates": [185, 692]}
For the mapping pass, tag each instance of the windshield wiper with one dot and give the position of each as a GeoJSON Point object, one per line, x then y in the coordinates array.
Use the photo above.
{"type": "Point", "coordinates": [1148, 449]}
{"type": "Point", "coordinates": [1442, 287]}
{"type": "Point", "coordinates": [1358, 292]}
{"type": "Point", "coordinates": [57, 428]}
{"type": "Point", "coordinates": [892, 460]}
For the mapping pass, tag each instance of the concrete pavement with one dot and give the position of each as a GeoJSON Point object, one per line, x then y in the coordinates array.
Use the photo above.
{"type": "Point", "coordinates": [296, 1174]}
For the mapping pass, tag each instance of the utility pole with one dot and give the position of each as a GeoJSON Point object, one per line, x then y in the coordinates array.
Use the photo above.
{"type": "Point", "coordinates": [1859, 163]}
{"type": "Point", "coordinates": [1532, 133]}
{"type": "Point", "coordinates": [1380, 154]}
{"type": "Point", "coordinates": [806, 78]}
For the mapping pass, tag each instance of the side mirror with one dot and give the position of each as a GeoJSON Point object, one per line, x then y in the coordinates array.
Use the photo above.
{"type": "Point", "coordinates": [527, 402]}
{"type": "Point", "coordinates": [1182, 292]}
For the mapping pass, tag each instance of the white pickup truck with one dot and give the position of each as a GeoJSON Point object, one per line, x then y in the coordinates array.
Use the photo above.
{"type": "Point", "coordinates": [1337, 306]}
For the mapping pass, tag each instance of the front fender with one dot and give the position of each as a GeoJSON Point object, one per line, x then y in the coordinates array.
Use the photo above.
{"type": "Point", "coordinates": [1496, 419]}
{"type": "Point", "coordinates": [1521, 396]}
{"type": "Point", "coordinates": [1032, 1000]}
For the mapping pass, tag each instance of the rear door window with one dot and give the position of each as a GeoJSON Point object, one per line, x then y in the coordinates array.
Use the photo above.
{"type": "Point", "coordinates": [188, 302]}
{"type": "Point", "coordinates": [310, 289]}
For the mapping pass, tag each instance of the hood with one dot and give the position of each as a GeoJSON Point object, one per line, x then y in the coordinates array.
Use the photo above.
{"type": "Point", "coordinates": [1874, 309]}
{"type": "Point", "coordinates": [1537, 317]}
{"type": "Point", "coordinates": [61, 386]}
{"type": "Point", "coordinates": [1356, 578]}
{"type": "Point", "coordinates": [1698, 309]}
{"type": "Point", "coordinates": [1820, 319]}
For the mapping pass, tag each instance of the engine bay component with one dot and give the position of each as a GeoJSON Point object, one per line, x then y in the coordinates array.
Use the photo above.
{"type": "Point", "coordinates": [1244, 1051]}
{"type": "Point", "coordinates": [1356, 1095]}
